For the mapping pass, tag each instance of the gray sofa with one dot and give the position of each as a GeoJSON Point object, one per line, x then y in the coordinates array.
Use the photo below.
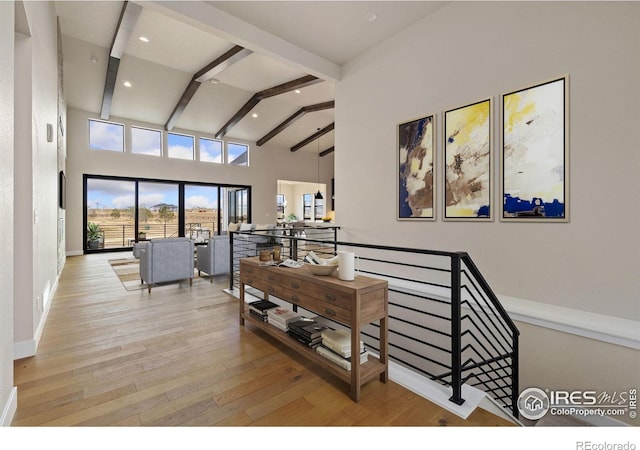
{"type": "Point", "coordinates": [213, 258]}
{"type": "Point", "coordinates": [163, 260]}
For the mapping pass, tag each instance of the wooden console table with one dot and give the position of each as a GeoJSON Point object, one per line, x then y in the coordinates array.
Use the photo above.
{"type": "Point", "coordinates": [351, 303]}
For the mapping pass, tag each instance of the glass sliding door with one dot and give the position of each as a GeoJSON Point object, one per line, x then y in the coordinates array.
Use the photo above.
{"type": "Point", "coordinates": [237, 205]}
{"type": "Point", "coordinates": [201, 211]}
{"type": "Point", "coordinates": [109, 213]}
{"type": "Point", "coordinates": [157, 210]}
{"type": "Point", "coordinates": [120, 211]}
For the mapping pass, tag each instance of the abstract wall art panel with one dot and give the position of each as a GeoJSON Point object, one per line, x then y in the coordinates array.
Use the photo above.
{"type": "Point", "coordinates": [416, 155]}
{"type": "Point", "coordinates": [535, 153]}
{"type": "Point", "coordinates": [467, 162]}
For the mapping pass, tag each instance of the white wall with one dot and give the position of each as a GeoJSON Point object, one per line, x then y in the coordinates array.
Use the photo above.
{"type": "Point", "coordinates": [36, 212]}
{"type": "Point", "coordinates": [267, 164]}
{"type": "Point", "coordinates": [468, 51]}
{"type": "Point", "coordinates": [471, 50]}
{"type": "Point", "coordinates": [7, 402]}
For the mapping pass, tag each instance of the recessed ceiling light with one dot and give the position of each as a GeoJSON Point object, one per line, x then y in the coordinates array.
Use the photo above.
{"type": "Point", "coordinates": [127, 83]}
{"type": "Point", "coordinates": [143, 38]}
{"type": "Point", "coordinates": [370, 17]}
{"type": "Point", "coordinates": [214, 81]}
{"type": "Point", "coordinates": [297, 91]}
{"type": "Point", "coordinates": [94, 59]}
{"type": "Point", "coordinates": [254, 115]}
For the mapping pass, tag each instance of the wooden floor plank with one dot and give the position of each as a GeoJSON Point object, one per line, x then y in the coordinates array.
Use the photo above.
{"type": "Point", "coordinates": [177, 357]}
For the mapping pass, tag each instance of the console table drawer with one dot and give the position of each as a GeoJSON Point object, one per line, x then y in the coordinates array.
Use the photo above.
{"type": "Point", "coordinates": [324, 308]}
{"type": "Point", "coordinates": [264, 275]}
{"type": "Point", "coordinates": [330, 296]}
{"type": "Point", "coordinates": [262, 285]}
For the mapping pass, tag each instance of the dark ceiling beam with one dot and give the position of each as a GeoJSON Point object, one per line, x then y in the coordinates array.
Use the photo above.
{"type": "Point", "coordinates": [313, 137]}
{"type": "Point", "coordinates": [127, 21]}
{"type": "Point", "coordinates": [283, 88]}
{"type": "Point", "coordinates": [187, 95]}
{"type": "Point", "coordinates": [221, 63]}
{"type": "Point", "coordinates": [295, 116]}
{"type": "Point", "coordinates": [253, 101]}
{"type": "Point", "coordinates": [289, 86]}
{"type": "Point", "coordinates": [327, 151]}
{"type": "Point", "coordinates": [206, 73]}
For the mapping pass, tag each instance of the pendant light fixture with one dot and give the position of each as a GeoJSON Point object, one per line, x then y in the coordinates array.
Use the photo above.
{"type": "Point", "coordinates": [318, 195]}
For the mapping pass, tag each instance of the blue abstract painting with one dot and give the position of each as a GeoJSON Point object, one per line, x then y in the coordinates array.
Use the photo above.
{"type": "Point", "coordinates": [415, 169]}
{"type": "Point", "coordinates": [534, 152]}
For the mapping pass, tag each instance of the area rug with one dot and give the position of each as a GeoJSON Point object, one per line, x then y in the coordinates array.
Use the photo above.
{"type": "Point", "coordinates": [128, 271]}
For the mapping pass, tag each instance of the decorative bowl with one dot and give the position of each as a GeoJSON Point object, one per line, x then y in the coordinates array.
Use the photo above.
{"type": "Point", "coordinates": [322, 269]}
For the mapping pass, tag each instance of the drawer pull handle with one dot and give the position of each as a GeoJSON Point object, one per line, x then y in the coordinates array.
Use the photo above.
{"type": "Point", "coordinates": [271, 290]}
{"type": "Point", "coordinates": [271, 278]}
{"type": "Point", "coordinates": [295, 299]}
{"type": "Point", "coordinates": [295, 285]}
{"type": "Point", "coordinates": [250, 270]}
{"type": "Point", "coordinates": [249, 280]}
{"type": "Point", "coordinates": [329, 296]}
{"type": "Point", "coordinates": [329, 311]}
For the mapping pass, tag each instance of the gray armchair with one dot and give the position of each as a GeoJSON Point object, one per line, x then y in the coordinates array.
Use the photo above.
{"type": "Point", "coordinates": [213, 258]}
{"type": "Point", "coordinates": [163, 260]}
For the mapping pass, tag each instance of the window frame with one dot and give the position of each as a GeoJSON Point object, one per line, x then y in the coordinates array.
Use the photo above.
{"type": "Point", "coordinates": [193, 146]}
{"type": "Point", "coordinates": [222, 155]}
{"type": "Point", "coordinates": [228, 161]}
{"type": "Point", "coordinates": [121, 125]}
{"type": "Point", "coordinates": [131, 128]}
{"type": "Point", "coordinates": [317, 216]}
{"type": "Point", "coordinates": [307, 209]}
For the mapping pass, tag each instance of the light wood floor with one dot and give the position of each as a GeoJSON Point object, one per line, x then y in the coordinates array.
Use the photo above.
{"type": "Point", "coordinates": [177, 356]}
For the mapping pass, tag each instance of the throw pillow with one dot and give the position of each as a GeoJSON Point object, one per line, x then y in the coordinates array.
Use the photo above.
{"type": "Point", "coordinates": [233, 226]}
{"type": "Point", "coordinates": [245, 227]}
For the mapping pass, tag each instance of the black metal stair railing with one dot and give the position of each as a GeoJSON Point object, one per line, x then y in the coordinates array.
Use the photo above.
{"type": "Point", "coordinates": [445, 322]}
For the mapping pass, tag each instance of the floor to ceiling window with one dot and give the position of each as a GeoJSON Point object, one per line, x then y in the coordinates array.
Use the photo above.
{"type": "Point", "coordinates": [121, 211]}
{"type": "Point", "coordinates": [109, 213]}
{"type": "Point", "coordinates": [201, 208]}
{"type": "Point", "coordinates": [157, 210]}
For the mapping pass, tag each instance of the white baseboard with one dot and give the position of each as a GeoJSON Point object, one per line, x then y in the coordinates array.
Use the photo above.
{"type": "Point", "coordinates": [435, 392]}
{"type": "Point", "coordinates": [10, 408]}
{"type": "Point", "coordinates": [25, 349]}
{"type": "Point", "coordinates": [74, 253]}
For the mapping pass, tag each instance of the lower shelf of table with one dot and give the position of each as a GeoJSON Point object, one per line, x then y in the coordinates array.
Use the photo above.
{"type": "Point", "coordinates": [368, 371]}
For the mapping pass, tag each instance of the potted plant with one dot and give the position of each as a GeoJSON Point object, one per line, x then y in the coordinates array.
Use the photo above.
{"type": "Point", "coordinates": [94, 235]}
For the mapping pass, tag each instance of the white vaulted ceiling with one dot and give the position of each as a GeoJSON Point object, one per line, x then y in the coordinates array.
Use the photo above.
{"type": "Point", "coordinates": [289, 40]}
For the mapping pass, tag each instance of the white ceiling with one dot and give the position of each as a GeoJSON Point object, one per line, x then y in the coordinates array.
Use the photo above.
{"type": "Point", "coordinates": [289, 40]}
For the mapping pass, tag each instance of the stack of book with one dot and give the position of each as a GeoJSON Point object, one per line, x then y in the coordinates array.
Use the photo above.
{"type": "Point", "coordinates": [259, 309]}
{"type": "Point", "coordinates": [281, 317]}
{"type": "Point", "coordinates": [307, 330]}
{"type": "Point", "coordinates": [336, 347]}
